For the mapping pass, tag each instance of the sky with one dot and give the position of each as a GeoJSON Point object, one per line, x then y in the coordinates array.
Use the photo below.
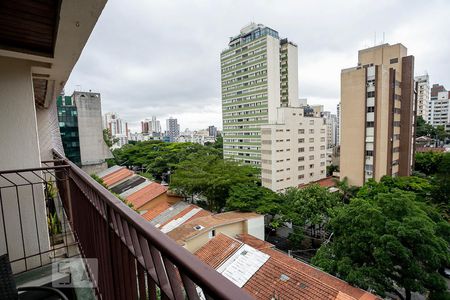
{"type": "Point", "coordinates": [162, 58]}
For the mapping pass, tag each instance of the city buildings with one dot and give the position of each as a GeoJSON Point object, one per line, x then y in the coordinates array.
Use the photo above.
{"type": "Point", "coordinates": [80, 123]}
{"type": "Point", "coordinates": [293, 149]}
{"type": "Point", "coordinates": [197, 136]}
{"type": "Point", "coordinates": [258, 74]}
{"type": "Point", "coordinates": [439, 107]}
{"type": "Point", "coordinates": [332, 128]}
{"type": "Point", "coordinates": [212, 131]}
{"type": "Point", "coordinates": [423, 95]}
{"type": "Point", "coordinates": [378, 115]}
{"type": "Point", "coordinates": [118, 129]}
{"type": "Point", "coordinates": [151, 127]}
{"type": "Point", "coordinates": [172, 129]}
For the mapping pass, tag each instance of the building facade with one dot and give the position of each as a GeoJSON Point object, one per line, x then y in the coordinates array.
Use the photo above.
{"type": "Point", "coordinates": [80, 123]}
{"type": "Point", "coordinates": [439, 107]}
{"type": "Point", "coordinates": [378, 108]}
{"type": "Point", "coordinates": [423, 95]}
{"type": "Point", "coordinates": [172, 129]}
{"type": "Point", "coordinates": [259, 73]}
{"type": "Point", "coordinates": [293, 150]}
{"type": "Point", "coordinates": [212, 131]}
{"type": "Point", "coordinates": [338, 121]}
{"type": "Point", "coordinates": [118, 129]}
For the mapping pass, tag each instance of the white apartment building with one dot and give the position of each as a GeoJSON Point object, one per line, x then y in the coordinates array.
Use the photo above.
{"type": "Point", "coordinates": [338, 120]}
{"type": "Point", "coordinates": [172, 128]}
{"type": "Point", "coordinates": [118, 129]}
{"type": "Point", "coordinates": [293, 149]}
{"type": "Point", "coordinates": [423, 95]}
{"type": "Point", "coordinates": [439, 107]}
{"type": "Point", "coordinates": [259, 73]}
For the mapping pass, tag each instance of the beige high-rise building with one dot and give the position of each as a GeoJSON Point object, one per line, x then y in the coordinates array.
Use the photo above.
{"type": "Point", "coordinates": [378, 107]}
{"type": "Point", "coordinates": [423, 95]}
{"type": "Point", "coordinates": [293, 149]}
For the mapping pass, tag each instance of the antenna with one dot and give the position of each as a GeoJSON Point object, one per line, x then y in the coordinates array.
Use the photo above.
{"type": "Point", "coordinates": [383, 37]}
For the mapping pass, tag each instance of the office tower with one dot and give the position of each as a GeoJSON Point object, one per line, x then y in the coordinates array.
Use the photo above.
{"type": "Point", "coordinates": [378, 115]}
{"type": "Point", "coordinates": [172, 129]}
{"type": "Point", "coordinates": [117, 128]}
{"type": "Point", "coordinates": [144, 126]}
{"type": "Point", "coordinates": [155, 126]}
{"type": "Point", "coordinates": [293, 149]}
{"type": "Point", "coordinates": [338, 131]}
{"type": "Point", "coordinates": [439, 107]}
{"type": "Point", "coordinates": [423, 95]}
{"type": "Point", "coordinates": [212, 131]}
{"type": "Point", "coordinates": [80, 122]}
{"type": "Point", "coordinates": [259, 73]}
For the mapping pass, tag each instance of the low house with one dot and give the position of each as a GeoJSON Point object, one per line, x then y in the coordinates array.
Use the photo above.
{"type": "Point", "coordinates": [266, 273]}
{"type": "Point", "coordinates": [194, 234]}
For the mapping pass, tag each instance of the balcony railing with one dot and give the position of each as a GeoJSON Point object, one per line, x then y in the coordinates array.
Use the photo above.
{"type": "Point", "coordinates": [135, 259]}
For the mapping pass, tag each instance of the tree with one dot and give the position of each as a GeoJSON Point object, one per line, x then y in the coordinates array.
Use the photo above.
{"type": "Point", "coordinates": [331, 169]}
{"type": "Point", "coordinates": [347, 191]}
{"type": "Point", "coordinates": [388, 243]}
{"type": "Point", "coordinates": [211, 177]}
{"type": "Point", "coordinates": [107, 137]}
{"type": "Point", "coordinates": [247, 198]}
{"type": "Point", "coordinates": [427, 162]}
{"type": "Point", "coordinates": [422, 128]}
{"type": "Point", "coordinates": [310, 207]}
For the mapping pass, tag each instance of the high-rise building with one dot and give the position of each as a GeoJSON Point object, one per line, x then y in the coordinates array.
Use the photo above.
{"type": "Point", "coordinates": [212, 131]}
{"type": "Point", "coordinates": [423, 95]}
{"type": "Point", "coordinates": [172, 129]}
{"type": "Point", "coordinates": [338, 131]}
{"type": "Point", "coordinates": [331, 124]}
{"type": "Point", "coordinates": [117, 127]}
{"type": "Point", "coordinates": [259, 73]}
{"type": "Point", "coordinates": [439, 107]}
{"type": "Point", "coordinates": [80, 122]}
{"type": "Point", "coordinates": [155, 126]}
{"type": "Point", "coordinates": [378, 104]}
{"type": "Point", "coordinates": [293, 149]}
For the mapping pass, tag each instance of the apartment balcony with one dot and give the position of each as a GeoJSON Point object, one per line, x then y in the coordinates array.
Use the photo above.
{"type": "Point", "coordinates": [56, 212]}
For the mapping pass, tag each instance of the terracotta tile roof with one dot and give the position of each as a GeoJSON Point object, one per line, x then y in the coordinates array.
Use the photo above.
{"type": "Point", "coordinates": [117, 176]}
{"type": "Point", "coordinates": [319, 275]}
{"type": "Point", "coordinates": [202, 213]}
{"type": "Point", "coordinates": [187, 230]}
{"type": "Point", "coordinates": [253, 241]}
{"type": "Point", "coordinates": [281, 276]}
{"type": "Point", "coordinates": [217, 250]}
{"type": "Point", "coordinates": [325, 182]}
{"type": "Point", "coordinates": [146, 194]}
{"type": "Point", "coordinates": [430, 149]}
{"type": "Point", "coordinates": [153, 213]}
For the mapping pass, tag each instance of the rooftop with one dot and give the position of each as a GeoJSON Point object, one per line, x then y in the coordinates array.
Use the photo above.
{"type": "Point", "coordinates": [280, 275]}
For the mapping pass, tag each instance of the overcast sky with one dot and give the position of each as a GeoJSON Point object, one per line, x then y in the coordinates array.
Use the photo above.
{"type": "Point", "coordinates": [162, 58]}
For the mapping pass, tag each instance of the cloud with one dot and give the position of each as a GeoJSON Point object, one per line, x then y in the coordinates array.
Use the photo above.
{"type": "Point", "coordinates": [162, 57]}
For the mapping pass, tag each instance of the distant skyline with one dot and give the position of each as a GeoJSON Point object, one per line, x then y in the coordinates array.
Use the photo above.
{"type": "Point", "coordinates": [162, 58]}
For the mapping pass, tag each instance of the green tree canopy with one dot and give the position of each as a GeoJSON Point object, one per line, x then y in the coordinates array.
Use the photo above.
{"type": "Point", "coordinates": [387, 242]}
{"type": "Point", "coordinates": [254, 198]}
{"type": "Point", "coordinates": [211, 177]}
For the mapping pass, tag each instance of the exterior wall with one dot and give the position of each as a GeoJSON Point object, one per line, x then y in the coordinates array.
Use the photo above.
{"type": "Point", "coordinates": [378, 106]}
{"type": "Point", "coordinates": [353, 125]}
{"type": "Point", "coordinates": [293, 150]}
{"type": "Point", "coordinates": [423, 95]}
{"type": "Point", "coordinates": [19, 150]}
{"type": "Point", "coordinates": [231, 230]}
{"type": "Point", "coordinates": [93, 150]}
{"type": "Point", "coordinates": [439, 109]}
{"type": "Point", "coordinates": [255, 227]}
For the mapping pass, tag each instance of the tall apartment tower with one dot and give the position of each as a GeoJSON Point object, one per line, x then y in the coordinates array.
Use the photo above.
{"type": "Point", "coordinates": [259, 73]}
{"type": "Point", "coordinates": [338, 130]}
{"type": "Point", "coordinates": [378, 108]}
{"type": "Point", "coordinates": [439, 107]}
{"type": "Point", "coordinates": [172, 129]}
{"type": "Point", "coordinates": [423, 95]}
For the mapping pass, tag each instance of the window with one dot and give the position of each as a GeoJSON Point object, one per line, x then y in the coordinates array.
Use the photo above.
{"type": "Point", "coordinates": [370, 124]}
{"type": "Point", "coordinates": [301, 131]}
{"type": "Point", "coordinates": [322, 155]}
{"type": "Point", "coordinates": [311, 140]}
{"type": "Point", "coordinates": [394, 60]}
{"type": "Point", "coordinates": [311, 166]}
{"type": "Point", "coordinates": [369, 153]}
{"type": "Point", "coordinates": [301, 168]}
{"type": "Point", "coordinates": [311, 157]}
{"type": "Point", "coordinates": [371, 109]}
{"type": "Point", "coordinates": [212, 233]}
{"type": "Point", "coordinates": [301, 149]}
{"type": "Point", "coordinates": [322, 147]}
{"type": "Point", "coordinates": [301, 176]}
{"type": "Point", "coordinates": [311, 174]}
{"type": "Point", "coordinates": [311, 148]}
{"type": "Point", "coordinates": [302, 140]}
{"type": "Point", "coordinates": [322, 164]}
{"type": "Point", "coordinates": [301, 158]}
{"type": "Point", "coordinates": [311, 131]}
{"type": "Point", "coordinates": [311, 122]}
{"type": "Point", "coordinates": [371, 94]}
